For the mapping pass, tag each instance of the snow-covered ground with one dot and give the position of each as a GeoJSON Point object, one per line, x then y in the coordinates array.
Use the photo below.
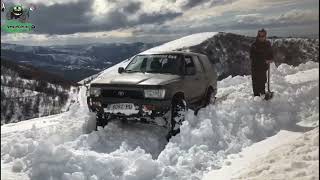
{"type": "Point", "coordinates": [296, 160]}
{"type": "Point", "coordinates": [287, 155]}
{"type": "Point", "coordinates": [59, 147]}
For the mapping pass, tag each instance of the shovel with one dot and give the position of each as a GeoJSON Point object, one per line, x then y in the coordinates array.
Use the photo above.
{"type": "Point", "coordinates": [269, 94]}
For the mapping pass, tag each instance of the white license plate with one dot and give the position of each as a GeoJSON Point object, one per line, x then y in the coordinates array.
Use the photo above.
{"type": "Point", "coordinates": [120, 106]}
{"type": "Point", "coordinates": [125, 108]}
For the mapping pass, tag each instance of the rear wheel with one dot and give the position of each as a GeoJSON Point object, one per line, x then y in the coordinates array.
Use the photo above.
{"type": "Point", "coordinates": [178, 110]}
{"type": "Point", "coordinates": [210, 97]}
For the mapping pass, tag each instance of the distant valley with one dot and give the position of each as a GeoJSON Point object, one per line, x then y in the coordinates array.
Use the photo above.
{"type": "Point", "coordinates": [73, 62]}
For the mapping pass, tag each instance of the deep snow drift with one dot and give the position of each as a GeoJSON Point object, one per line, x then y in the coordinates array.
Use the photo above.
{"type": "Point", "coordinates": [57, 147]}
{"type": "Point", "coordinates": [287, 155]}
{"type": "Point", "coordinates": [296, 160]}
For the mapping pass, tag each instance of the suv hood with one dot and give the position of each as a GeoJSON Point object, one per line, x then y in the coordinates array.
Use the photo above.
{"type": "Point", "coordinates": [137, 79]}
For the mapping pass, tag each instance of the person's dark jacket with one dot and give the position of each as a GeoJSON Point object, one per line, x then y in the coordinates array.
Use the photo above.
{"type": "Point", "coordinates": [259, 53]}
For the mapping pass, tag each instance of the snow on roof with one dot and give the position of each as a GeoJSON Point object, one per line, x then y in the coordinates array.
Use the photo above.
{"type": "Point", "coordinates": [183, 42]}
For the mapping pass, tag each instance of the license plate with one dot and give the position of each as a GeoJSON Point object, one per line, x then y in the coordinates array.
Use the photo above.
{"type": "Point", "coordinates": [121, 106]}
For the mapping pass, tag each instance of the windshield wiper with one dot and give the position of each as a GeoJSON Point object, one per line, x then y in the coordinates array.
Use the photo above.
{"type": "Point", "coordinates": [159, 72]}
{"type": "Point", "coordinates": [131, 70]}
{"type": "Point", "coordinates": [152, 72]}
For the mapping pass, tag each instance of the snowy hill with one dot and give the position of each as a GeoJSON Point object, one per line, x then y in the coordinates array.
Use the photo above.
{"type": "Point", "coordinates": [73, 62]}
{"type": "Point", "coordinates": [27, 92]}
{"type": "Point", "coordinates": [287, 155]}
{"type": "Point", "coordinates": [60, 147]}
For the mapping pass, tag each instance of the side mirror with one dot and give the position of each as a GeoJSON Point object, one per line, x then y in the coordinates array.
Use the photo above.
{"type": "Point", "coordinates": [120, 70]}
{"type": "Point", "coordinates": [190, 71]}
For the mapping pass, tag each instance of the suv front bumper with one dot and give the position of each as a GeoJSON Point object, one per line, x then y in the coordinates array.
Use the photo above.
{"type": "Point", "coordinates": [144, 107]}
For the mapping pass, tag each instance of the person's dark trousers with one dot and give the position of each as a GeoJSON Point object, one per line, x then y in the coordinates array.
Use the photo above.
{"type": "Point", "coordinates": [259, 79]}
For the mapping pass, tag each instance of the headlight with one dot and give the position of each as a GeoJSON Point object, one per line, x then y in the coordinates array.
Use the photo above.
{"type": "Point", "coordinates": [95, 91]}
{"type": "Point", "coordinates": [154, 93]}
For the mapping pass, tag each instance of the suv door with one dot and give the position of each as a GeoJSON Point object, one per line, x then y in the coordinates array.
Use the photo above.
{"type": "Point", "coordinates": [193, 78]}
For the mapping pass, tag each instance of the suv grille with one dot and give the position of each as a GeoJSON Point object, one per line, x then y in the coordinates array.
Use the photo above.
{"type": "Point", "coordinates": [122, 94]}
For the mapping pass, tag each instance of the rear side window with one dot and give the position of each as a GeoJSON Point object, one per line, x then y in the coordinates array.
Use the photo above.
{"type": "Point", "coordinates": [206, 63]}
{"type": "Point", "coordinates": [190, 68]}
{"type": "Point", "coordinates": [198, 64]}
{"type": "Point", "coordinates": [188, 61]}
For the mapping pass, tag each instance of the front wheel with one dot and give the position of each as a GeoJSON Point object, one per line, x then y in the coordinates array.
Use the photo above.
{"type": "Point", "coordinates": [178, 110]}
{"type": "Point", "coordinates": [101, 120]}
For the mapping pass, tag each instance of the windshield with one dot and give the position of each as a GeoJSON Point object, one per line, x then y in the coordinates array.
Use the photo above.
{"type": "Point", "coordinates": [163, 63]}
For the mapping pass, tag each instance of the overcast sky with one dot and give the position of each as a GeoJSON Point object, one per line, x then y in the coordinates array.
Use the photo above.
{"type": "Point", "coordinates": [105, 21]}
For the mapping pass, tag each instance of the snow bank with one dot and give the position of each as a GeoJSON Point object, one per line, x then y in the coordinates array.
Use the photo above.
{"type": "Point", "coordinates": [299, 159]}
{"type": "Point", "coordinates": [286, 155]}
{"type": "Point", "coordinates": [127, 152]}
{"type": "Point", "coordinates": [234, 164]}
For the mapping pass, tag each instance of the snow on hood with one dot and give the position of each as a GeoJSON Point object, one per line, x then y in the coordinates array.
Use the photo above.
{"type": "Point", "coordinates": [137, 79]}
{"type": "Point", "coordinates": [57, 147]}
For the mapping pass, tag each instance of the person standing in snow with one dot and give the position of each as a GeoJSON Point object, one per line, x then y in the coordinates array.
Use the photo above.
{"type": "Point", "coordinates": [261, 56]}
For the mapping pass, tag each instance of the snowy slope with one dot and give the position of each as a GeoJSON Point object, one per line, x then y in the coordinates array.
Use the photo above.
{"type": "Point", "coordinates": [287, 155]}
{"type": "Point", "coordinates": [27, 92]}
{"type": "Point", "coordinates": [58, 147]}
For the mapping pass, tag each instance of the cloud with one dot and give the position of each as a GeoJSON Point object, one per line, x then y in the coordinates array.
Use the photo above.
{"type": "Point", "coordinates": [297, 17]}
{"type": "Point", "coordinates": [73, 21]}
{"type": "Point", "coordinates": [73, 16]}
{"type": "Point", "coordinates": [192, 3]}
{"type": "Point", "coordinates": [132, 7]}
{"type": "Point", "coordinates": [76, 38]}
{"type": "Point", "coordinates": [293, 17]}
{"type": "Point", "coordinates": [249, 18]}
{"type": "Point", "coordinates": [61, 18]}
{"type": "Point", "coordinates": [97, 15]}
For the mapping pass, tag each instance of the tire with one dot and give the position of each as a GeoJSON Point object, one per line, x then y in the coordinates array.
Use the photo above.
{"type": "Point", "coordinates": [101, 120]}
{"type": "Point", "coordinates": [178, 109]}
{"type": "Point", "coordinates": [210, 97]}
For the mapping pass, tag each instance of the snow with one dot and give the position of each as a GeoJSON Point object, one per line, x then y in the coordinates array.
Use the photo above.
{"type": "Point", "coordinates": [59, 146]}
{"type": "Point", "coordinates": [183, 42]}
{"type": "Point", "coordinates": [287, 155]}
{"type": "Point", "coordinates": [308, 75]}
{"type": "Point", "coordinates": [296, 160]}
{"type": "Point", "coordinates": [237, 163]}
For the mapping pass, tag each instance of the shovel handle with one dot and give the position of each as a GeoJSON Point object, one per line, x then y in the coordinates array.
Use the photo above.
{"type": "Point", "coordinates": [269, 78]}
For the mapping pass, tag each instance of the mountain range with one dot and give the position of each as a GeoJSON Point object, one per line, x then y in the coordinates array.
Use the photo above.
{"type": "Point", "coordinates": [73, 62]}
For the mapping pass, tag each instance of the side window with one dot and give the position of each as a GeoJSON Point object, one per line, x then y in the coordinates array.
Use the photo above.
{"type": "Point", "coordinates": [199, 65]}
{"type": "Point", "coordinates": [190, 68]}
{"type": "Point", "coordinates": [207, 64]}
